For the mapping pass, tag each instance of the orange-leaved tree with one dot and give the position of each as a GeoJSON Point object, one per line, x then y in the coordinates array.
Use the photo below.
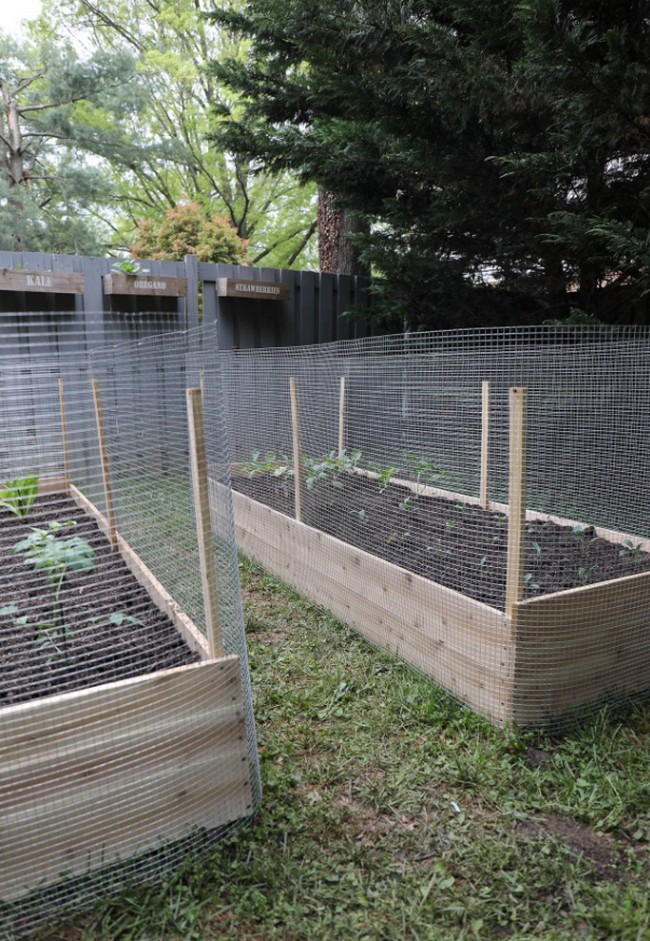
{"type": "Point", "coordinates": [187, 230]}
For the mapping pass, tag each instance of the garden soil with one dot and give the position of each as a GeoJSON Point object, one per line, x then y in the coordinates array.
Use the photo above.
{"type": "Point", "coordinates": [34, 659]}
{"type": "Point", "coordinates": [458, 545]}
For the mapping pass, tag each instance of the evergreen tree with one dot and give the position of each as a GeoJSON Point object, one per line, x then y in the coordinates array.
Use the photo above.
{"type": "Point", "coordinates": [498, 151]}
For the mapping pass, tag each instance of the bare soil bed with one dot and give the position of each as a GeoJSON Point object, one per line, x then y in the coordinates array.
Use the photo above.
{"type": "Point", "coordinates": [113, 629]}
{"type": "Point", "coordinates": [454, 544]}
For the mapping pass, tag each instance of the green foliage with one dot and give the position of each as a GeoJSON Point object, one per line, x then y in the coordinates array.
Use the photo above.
{"type": "Point", "coordinates": [271, 464]}
{"type": "Point", "coordinates": [498, 152]}
{"type": "Point", "coordinates": [324, 472]}
{"type": "Point", "coordinates": [18, 495]}
{"type": "Point", "coordinates": [46, 551]}
{"type": "Point", "coordinates": [127, 266]}
{"type": "Point", "coordinates": [187, 230]}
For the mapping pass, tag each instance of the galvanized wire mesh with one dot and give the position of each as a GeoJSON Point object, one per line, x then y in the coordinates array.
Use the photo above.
{"type": "Point", "coordinates": [126, 729]}
{"type": "Point", "coordinates": [401, 441]}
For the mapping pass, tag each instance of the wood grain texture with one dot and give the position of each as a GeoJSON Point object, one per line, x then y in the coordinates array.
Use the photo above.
{"type": "Point", "coordinates": [577, 646]}
{"type": "Point", "coordinates": [105, 461]}
{"type": "Point", "coordinates": [516, 498]}
{"type": "Point", "coordinates": [463, 644]}
{"type": "Point", "coordinates": [141, 284]}
{"type": "Point", "coordinates": [484, 493]}
{"type": "Point", "coordinates": [253, 290]}
{"type": "Point", "coordinates": [296, 439]}
{"type": "Point", "coordinates": [103, 774]}
{"type": "Point", "coordinates": [41, 282]}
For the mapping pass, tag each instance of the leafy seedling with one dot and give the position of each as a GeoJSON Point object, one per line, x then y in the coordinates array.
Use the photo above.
{"type": "Point", "coordinates": [326, 472]}
{"type": "Point", "coordinates": [129, 267]}
{"type": "Point", "coordinates": [56, 557]}
{"type": "Point", "coordinates": [18, 495]}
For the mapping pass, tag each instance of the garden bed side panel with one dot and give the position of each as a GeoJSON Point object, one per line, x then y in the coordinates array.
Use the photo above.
{"type": "Point", "coordinates": [580, 647]}
{"type": "Point", "coordinates": [463, 644]}
{"type": "Point", "coordinates": [93, 777]}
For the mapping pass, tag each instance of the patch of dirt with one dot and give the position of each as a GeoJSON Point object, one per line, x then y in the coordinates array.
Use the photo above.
{"type": "Point", "coordinates": [598, 848]}
{"type": "Point", "coordinates": [36, 657]}
{"type": "Point", "coordinates": [455, 544]}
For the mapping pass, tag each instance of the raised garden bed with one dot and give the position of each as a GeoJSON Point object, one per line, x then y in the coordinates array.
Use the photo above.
{"type": "Point", "coordinates": [98, 767]}
{"type": "Point", "coordinates": [386, 560]}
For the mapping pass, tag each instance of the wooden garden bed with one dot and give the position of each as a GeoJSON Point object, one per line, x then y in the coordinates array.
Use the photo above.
{"type": "Point", "coordinates": [547, 656]}
{"type": "Point", "coordinates": [96, 776]}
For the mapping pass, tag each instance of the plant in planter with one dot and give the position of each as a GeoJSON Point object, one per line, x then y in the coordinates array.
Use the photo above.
{"type": "Point", "coordinates": [56, 557]}
{"type": "Point", "coordinates": [325, 472]}
{"type": "Point", "coordinates": [18, 495]}
{"type": "Point", "coordinates": [129, 267]}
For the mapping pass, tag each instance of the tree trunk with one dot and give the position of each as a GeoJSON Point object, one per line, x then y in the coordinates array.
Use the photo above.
{"type": "Point", "coordinates": [13, 165]}
{"type": "Point", "coordinates": [336, 252]}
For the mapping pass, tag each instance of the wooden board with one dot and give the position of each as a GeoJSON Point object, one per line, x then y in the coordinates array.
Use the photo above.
{"type": "Point", "coordinates": [42, 282]}
{"type": "Point", "coordinates": [579, 646]}
{"type": "Point", "coordinates": [463, 644]}
{"type": "Point", "coordinates": [144, 284]}
{"type": "Point", "coordinates": [253, 290]}
{"type": "Point", "coordinates": [103, 774]}
{"type": "Point", "coordinates": [188, 630]}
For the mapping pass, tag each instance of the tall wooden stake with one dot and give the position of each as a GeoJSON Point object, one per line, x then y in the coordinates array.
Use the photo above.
{"type": "Point", "coordinates": [199, 468]}
{"type": "Point", "coordinates": [64, 435]}
{"type": "Point", "coordinates": [485, 444]}
{"type": "Point", "coordinates": [297, 448]}
{"type": "Point", "coordinates": [342, 417]}
{"type": "Point", "coordinates": [516, 499]}
{"type": "Point", "coordinates": [106, 469]}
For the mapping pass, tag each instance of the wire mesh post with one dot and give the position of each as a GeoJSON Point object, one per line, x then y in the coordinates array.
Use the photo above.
{"type": "Point", "coordinates": [106, 470]}
{"type": "Point", "coordinates": [199, 468]}
{"type": "Point", "coordinates": [342, 417]}
{"type": "Point", "coordinates": [64, 435]}
{"type": "Point", "coordinates": [485, 444]}
{"type": "Point", "coordinates": [297, 448]}
{"type": "Point", "coordinates": [516, 498]}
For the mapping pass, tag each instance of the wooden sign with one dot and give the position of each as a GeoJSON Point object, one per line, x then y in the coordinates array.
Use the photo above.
{"type": "Point", "coordinates": [150, 284]}
{"type": "Point", "coordinates": [253, 290]}
{"type": "Point", "coordinates": [45, 282]}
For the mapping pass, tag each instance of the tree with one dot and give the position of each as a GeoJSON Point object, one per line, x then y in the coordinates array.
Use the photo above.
{"type": "Point", "coordinates": [498, 152]}
{"type": "Point", "coordinates": [58, 115]}
{"type": "Point", "coordinates": [171, 42]}
{"type": "Point", "coordinates": [186, 230]}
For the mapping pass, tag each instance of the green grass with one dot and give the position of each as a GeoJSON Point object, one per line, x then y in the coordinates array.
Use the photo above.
{"type": "Point", "coordinates": [391, 812]}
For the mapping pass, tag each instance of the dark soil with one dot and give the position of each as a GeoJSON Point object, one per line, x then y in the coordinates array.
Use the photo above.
{"type": "Point", "coordinates": [35, 658]}
{"type": "Point", "coordinates": [455, 544]}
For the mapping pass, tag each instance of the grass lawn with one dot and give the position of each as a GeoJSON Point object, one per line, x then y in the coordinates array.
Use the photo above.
{"type": "Point", "coordinates": [390, 812]}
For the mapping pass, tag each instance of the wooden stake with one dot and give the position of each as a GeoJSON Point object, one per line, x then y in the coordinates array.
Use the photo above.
{"type": "Point", "coordinates": [516, 499]}
{"type": "Point", "coordinates": [297, 448]}
{"type": "Point", "coordinates": [342, 417]}
{"type": "Point", "coordinates": [106, 470]}
{"type": "Point", "coordinates": [485, 444]}
{"type": "Point", "coordinates": [199, 467]}
{"type": "Point", "coordinates": [64, 436]}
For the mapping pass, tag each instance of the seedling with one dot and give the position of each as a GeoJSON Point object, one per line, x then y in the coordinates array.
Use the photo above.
{"type": "Point", "coordinates": [18, 495]}
{"type": "Point", "coordinates": [56, 557]}
{"type": "Point", "coordinates": [384, 475]}
{"type": "Point", "coordinates": [270, 465]}
{"type": "Point", "coordinates": [528, 581]}
{"type": "Point", "coordinates": [425, 472]}
{"type": "Point", "coordinates": [326, 471]}
{"type": "Point", "coordinates": [632, 549]}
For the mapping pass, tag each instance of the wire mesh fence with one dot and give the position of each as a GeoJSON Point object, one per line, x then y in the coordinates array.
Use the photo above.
{"type": "Point", "coordinates": [474, 501]}
{"type": "Point", "coordinates": [127, 738]}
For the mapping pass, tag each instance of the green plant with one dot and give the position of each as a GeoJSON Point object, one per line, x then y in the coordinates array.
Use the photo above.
{"type": "Point", "coordinates": [18, 495]}
{"type": "Point", "coordinates": [327, 470]}
{"type": "Point", "coordinates": [384, 475]}
{"type": "Point", "coordinates": [127, 266]}
{"type": "Point", "coordinates": [56, 557]}
{"type": "Point", "coordinates": [424, 471]}
{"type": "Point", "coordinates": [272, 465]}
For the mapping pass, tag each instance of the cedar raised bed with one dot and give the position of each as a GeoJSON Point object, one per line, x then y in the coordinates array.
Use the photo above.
{"type": "Point", "coordinates": [99, 775]}
{"type": "Point", "coordinates": [550, 655]}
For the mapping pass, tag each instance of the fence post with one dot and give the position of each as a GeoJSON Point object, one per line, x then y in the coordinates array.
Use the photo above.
{"type": "Point", "coordinates": [297, 448]}
{"type": "Point", "coordinates": [485, 444]}
{"type": "Point", "coordinates": [199, 468]}
{"type": "Point", "coordinates": [342, 417]}
{"type": "Point", "coordinates": [64, 435]}
{"type": "Point", "coordinates": [106, 470]}
{"type": "Point", "coordinates": [516, 498]}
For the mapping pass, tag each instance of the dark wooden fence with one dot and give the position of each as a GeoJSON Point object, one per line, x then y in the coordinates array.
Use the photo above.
{"type": "Point", "coordinates": [61, 303]}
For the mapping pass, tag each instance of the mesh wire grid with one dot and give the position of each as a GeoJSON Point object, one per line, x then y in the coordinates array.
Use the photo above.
{"type": "Point", "coordinates": [405, 485]}
{"type": "Point", "coordinates": [124, 746]}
